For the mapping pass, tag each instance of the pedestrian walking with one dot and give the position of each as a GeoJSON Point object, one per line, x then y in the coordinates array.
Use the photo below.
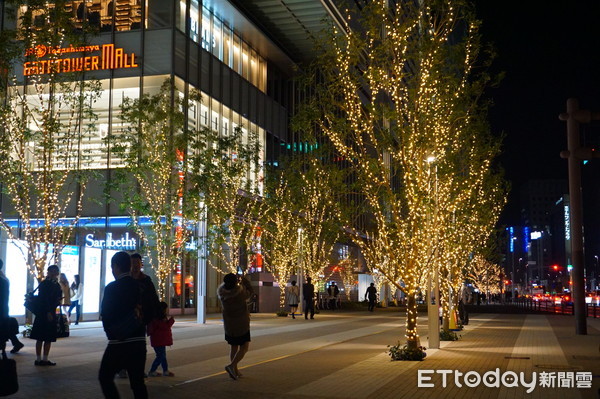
{"type": "Point", "coordinates": [371, 295]}
{"type": "Point", "coordinates": [45, 325]}
{"type": "Point", "coordinates": [293, 297]}
{"type": "Point", "coordinates": [121, 313]}
{"type": "Point", "coordinates": [333, 292]}
{"type": "Point", "coordinates": [161, 336]}
{"type": "Point", "coordinates": [76, 299]}
{"type": "Point", "coordinates": [148, 294]}
{"type": "Point", "coordinates": [9, 324]}
{"type": "Point", "coordinates": [233, 294]}
{"type": "Point", "coordinates": [308, 292]}
{"type": "Point", "coordinates": [65, 302]}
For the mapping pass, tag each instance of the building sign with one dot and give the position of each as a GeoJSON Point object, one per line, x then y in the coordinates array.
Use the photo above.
{"type": "Point", "coordinates": [124, 243]}
{"type": "Point", "coordinates": [109, 58]}
{"type": "Point", "coordinates": [567, 223]}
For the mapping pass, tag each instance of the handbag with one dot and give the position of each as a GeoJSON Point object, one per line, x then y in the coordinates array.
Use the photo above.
{"type": "Point", "coordinates": [9, 383]}
{"type": "Point", "coordinates": [33, 302]}
{"type": "Point", "coordinates": [62, 326]}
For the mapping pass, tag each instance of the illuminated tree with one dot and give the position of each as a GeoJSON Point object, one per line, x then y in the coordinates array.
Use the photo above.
{"type": "Point", "coordinates": [43, 118]}
{"type": "Point", "coordinates": [282, 234]}
{"type": "Point", "coordinates": [226, 170]}
{"type": "Point", "coordinates": [394, 99]}
{"type": "Point", "coordinates": [316, 201]}
{"type": "Point", "coordinates": [153, 148]}
{"type": "Point", "coordinates": [474, 199]}
{"type": "Point", "coordinates": [485, 275]}
{"type": "Point", "coordinates": [177, 175]}
{"type": "Point", "coordinates": [347, 273]}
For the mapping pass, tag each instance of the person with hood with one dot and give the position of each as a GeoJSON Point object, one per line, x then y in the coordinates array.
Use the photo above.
{"type": "Point", "coordinates": [233, 294]}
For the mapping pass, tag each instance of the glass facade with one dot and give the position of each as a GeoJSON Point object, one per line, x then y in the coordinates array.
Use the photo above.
{"type": "Point", "coordinates": [104, 15]}
{"type": "Point", "coordinates": [216, 37]}
{"type": "Point", "coordinates": [158, 39]}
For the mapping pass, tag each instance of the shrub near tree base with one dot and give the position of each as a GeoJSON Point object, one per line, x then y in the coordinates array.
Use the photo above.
{"type": "Point", "coordinates": [447, 335]}
{"type": "Point", "coordinates": [402, 352]}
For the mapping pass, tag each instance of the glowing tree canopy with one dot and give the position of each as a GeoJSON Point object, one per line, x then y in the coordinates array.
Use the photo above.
{"type": "Point", "coordinates": [42, 122]}
{"type": "Point", "coordinates": [227, 171]}
{"type": "Point", "coordinates": [281, 232]}
{"type": "Point", "coordinates": [398, 98]}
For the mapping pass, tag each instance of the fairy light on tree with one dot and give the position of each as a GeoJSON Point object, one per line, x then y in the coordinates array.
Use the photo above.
{"type": "Point", "coordinates": [348, 275]}
{"type": "Point", "coordinates": [388, 102]}
{"type": "Point", "coordinates": [153, 148]}
{"type": "Point", "coordinates": [281, 232]}
{"type": "Point", "coordinates": [42, 121]}
{"type": "Point", "coordinates": [485, 275]}
{"type": "Point", "coordinates": [180, 175]}
{"type": "Point", "coordinates": [316, 201]}
{"type": "Point", "coordinates": [222, 169]}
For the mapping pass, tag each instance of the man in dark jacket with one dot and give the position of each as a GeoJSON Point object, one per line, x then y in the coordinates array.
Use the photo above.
{"type": "Point", "coordinates": [333, 292]}
{"type": "Point", "coordinates": [308, 292]}
{"type": "Point", "coordinates": [125, 330]}
{"type": "Point", "coordinates": [371, 295]}
{"type": "Point", "coordinates": [149, 297]}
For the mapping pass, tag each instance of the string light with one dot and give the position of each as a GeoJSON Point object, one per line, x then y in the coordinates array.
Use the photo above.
{"type": "Point", "coordinates": [421, 101]}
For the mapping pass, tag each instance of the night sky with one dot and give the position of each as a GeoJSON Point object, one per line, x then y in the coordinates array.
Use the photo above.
{"type": "Point", "coordinates": [549, 51]}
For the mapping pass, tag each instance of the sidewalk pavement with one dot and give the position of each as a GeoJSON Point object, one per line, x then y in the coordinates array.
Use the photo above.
{"type": "Point", "coordinates": [340, 355]}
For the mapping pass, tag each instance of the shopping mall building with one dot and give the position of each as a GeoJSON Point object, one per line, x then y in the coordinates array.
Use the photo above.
{"type": "Point", "coordinates": [241, 55]}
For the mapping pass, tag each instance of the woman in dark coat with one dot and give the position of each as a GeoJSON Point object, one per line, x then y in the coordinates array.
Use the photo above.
{"type": "Point", "coordinates": [45, 323]}
{"type": "Point", "coordinates": [236, 319]}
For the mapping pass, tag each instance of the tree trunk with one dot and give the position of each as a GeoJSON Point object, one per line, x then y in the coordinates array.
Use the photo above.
{"type": "Point", "coordinates": [282, 296]}
{"type": "Point", "coordinates": [412, 338]}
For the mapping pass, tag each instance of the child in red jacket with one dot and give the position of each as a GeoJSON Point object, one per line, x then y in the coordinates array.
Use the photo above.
{"type": "Point", "coordinates": [160, 334]}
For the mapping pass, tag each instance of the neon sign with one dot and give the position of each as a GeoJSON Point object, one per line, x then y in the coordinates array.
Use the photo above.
{"type": "Point", "coordinates": [109, 58]}
{"type": "Point", "coordinates": [567, 223]}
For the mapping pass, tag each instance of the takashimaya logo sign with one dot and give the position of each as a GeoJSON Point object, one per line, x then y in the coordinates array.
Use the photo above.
{"type": "Point", "coordinates": [109, 58]}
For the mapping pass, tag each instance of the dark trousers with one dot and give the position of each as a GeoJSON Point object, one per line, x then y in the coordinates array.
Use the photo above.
{"type": "Point", "coordinates": [371, 304]}
{"type": "Point", "coordinates": [130, 356]}
{"type": "Point", "coordinates": [77, 306]}
{"type": "Point", "coordinates": [161, 358]}
{"type": "Point", "coordinates": [309, 304]}
{"type": "Point", "coordinates": [332, 303]}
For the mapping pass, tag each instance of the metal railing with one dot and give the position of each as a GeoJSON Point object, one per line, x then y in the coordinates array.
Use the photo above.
{"type": "Point", "coordinates": [550, 306]}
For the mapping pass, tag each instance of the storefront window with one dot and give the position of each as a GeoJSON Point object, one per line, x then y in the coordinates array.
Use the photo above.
{"type": "Point", "coordinates": [91, 279]}
{"type": "Point", "coordinates": [15, 269]}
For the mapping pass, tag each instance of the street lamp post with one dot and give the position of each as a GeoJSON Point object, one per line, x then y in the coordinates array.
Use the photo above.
{"type": "Point", "coordinates": [433, 286]}
{"type": "Point", "coordinates": [300, 270]}
{"type": "Point", "coordinates": [595, 283]}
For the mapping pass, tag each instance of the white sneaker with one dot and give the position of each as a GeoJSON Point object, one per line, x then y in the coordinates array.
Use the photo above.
{"type": "Point", "coordinates": [153, 374]}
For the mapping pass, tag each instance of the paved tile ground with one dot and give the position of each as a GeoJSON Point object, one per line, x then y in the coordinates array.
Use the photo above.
{"type": "Point", "coordinates": [337, 355]}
